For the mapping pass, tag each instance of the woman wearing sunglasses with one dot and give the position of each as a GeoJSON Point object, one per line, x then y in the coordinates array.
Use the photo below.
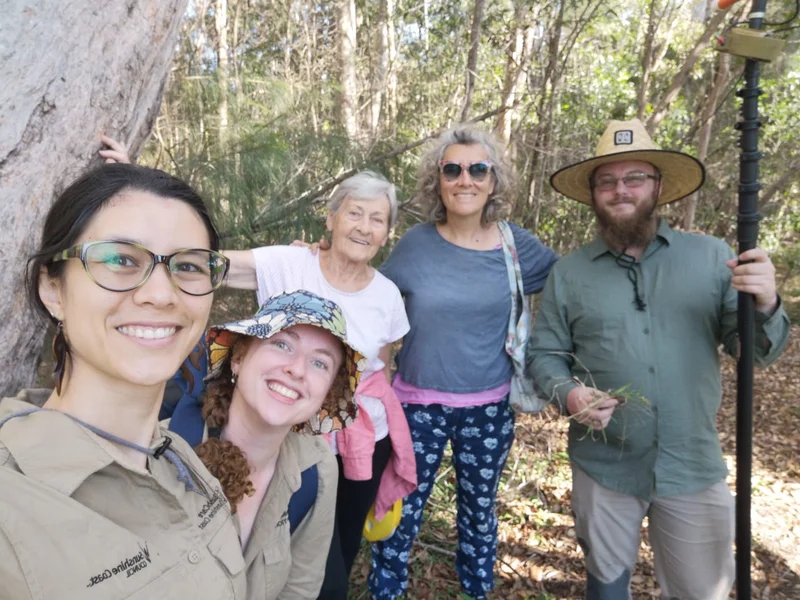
{"type": "Point", "coordinates": [97, 501]}
{"type": "Point", "coordinates": [453, 370]}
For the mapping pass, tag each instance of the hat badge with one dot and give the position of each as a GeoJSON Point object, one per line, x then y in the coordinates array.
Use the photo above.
{"type": "Point", "coordinates": [623, 137]}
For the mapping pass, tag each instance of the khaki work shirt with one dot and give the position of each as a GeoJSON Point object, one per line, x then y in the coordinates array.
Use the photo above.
{"type": "Point", "coordinates": [284, 566]}
{"type": "Point", "coordinates": [77, 524]}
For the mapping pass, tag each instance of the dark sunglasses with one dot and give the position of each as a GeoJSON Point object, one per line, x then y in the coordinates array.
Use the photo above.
{"type": "Point", "coordinates": [477, 170]}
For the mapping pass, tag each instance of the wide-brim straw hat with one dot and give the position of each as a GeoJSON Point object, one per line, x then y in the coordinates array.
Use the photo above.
{"type": "Point", "coordinates": [681, 174]}
{"type": "Point", "coordinates": [281, 312]}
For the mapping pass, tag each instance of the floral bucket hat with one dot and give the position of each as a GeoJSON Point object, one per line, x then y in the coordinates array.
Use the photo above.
{"type": "Point", "coordinates": [281, 312]}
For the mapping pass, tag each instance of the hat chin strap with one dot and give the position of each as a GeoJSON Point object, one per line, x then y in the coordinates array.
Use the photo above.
{"type": "Point", "coordinates": [639, 236]}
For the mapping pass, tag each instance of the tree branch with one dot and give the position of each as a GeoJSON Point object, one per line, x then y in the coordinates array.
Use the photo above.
{"type": "Point", "coordinates": [681, 76]}
{"type": "Point", "coordinates": [330, 183]}
{"type": "Point", "coordinates": [789, 176]}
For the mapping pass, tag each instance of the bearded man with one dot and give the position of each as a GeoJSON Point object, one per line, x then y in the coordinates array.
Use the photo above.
{"type": "Point", "coordinates": [626, 342]}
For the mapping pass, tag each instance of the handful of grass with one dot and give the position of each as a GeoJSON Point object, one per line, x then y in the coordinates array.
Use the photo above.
{"type": "Point", "coordinates": [624, 395]}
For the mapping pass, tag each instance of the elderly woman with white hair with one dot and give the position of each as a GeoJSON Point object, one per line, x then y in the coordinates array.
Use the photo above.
{"type": "Point", "coordinates": [376, 458]}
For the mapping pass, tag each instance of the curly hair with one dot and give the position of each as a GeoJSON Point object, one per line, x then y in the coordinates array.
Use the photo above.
{"type": "Point", "coordinates": [429, 194]}
{"type": "Point", "coordinates": [224, 459]}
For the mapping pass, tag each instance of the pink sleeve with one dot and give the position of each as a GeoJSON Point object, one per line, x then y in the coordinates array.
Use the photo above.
{"type": "Point", "coordinates": [356, 444]}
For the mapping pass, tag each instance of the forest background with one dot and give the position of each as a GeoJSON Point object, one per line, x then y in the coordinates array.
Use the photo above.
{"type": "Point", "coordinates": [264, 105]}
{"type": "Point", "coordinates": [269, 104]}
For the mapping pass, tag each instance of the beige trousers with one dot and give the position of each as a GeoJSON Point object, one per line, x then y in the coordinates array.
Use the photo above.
{"type": "Point", "coordinates": [691, 536]}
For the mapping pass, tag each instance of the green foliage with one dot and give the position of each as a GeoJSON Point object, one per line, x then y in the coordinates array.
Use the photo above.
{"type": "Point", "coordinates": [583, 65]}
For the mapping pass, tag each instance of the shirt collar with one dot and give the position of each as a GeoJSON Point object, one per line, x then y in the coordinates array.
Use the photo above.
{"type": "Point", "coordinates": [597, 247]}
{"type": "Point", "coordinates": [50, 447]}
{"type": "Point", "coordinates": [288, 465]}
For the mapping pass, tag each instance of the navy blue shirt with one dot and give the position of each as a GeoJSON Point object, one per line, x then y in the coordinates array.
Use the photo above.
{"type": "Point", "coordinates": [458, 303]}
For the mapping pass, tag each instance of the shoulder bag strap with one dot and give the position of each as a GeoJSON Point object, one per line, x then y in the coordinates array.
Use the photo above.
{"type": "Point", "coordinates": [302, 501]}
{"type": "Point", "coordinates": [515, 285]}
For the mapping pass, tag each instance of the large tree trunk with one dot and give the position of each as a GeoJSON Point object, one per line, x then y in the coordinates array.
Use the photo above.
{"type": "Point", "coordinates": [100, 66]}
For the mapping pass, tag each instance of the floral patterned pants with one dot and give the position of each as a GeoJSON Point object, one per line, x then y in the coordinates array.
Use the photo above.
{"type": "Point", "coordinates": [481, 437]}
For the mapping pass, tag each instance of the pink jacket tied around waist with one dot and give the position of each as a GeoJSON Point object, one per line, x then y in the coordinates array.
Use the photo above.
{"type": "Point", "coordinates": [356, 446]}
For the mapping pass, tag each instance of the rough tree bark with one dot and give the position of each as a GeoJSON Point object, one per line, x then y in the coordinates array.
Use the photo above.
{"type": "Point", "coordinates": [543, 120]}
{"type": "Point", "coordinates": [653, 53]}
{"type": "Point", "coordinates": [100, 66]}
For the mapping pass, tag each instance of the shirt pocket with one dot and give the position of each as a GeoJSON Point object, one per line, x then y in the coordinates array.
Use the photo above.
{"type": "Point", "coordinates": [173, 583]}
{"type": "Point", "coordinates": [195, 577]}
{"type": "Point", "coordinates": [277, 563]}
{"type": "Point", "coordinates": [226, 548]}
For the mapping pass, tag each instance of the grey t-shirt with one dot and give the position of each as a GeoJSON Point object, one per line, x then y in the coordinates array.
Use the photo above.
{"type": "Point", "coordinates": [458, 303]}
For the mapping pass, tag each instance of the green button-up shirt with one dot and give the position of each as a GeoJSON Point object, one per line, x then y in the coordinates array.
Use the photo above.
{"type": "Point", "coordinates": [589, 328]}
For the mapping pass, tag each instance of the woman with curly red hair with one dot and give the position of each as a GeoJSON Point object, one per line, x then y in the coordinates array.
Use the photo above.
{"type": "Point", "coordinates": [275, 381]}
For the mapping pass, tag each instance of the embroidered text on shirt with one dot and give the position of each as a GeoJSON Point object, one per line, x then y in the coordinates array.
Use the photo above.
{"type": "Point", "coordinates": [283, 520]}
{"type": "Point", "coordinates": [210, 508]}
{"type": "Point", "coordinates": [129, 566]}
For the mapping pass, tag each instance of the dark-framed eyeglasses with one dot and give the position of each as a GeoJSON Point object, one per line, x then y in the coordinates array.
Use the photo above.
{"type": "Point", "coordinates": [477, 170]}
{"type": "Point", "coordinates": [607, 183]}
{"type": "Point", "coordinates": [124, 266]}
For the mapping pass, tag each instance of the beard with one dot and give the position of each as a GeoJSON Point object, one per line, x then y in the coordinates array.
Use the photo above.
{"type": "Point", "coordinates": [633, 231]}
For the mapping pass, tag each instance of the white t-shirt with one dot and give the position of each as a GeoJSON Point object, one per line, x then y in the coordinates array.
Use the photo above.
{"type": "Point", "coordinates": [375, 316]}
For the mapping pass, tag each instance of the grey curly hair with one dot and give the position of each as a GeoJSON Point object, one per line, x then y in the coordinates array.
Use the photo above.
{"type": "Point", "coordinates": [429, 194]}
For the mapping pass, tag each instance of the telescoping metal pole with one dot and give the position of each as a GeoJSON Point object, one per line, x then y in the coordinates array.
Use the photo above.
{"type": "Point", "coordinates": [747, 235]}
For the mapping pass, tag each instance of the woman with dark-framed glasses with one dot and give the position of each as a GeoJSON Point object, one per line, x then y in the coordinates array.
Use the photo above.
{"type": "Point", "coordinates": [96, 500]}
{"type": "Point", "coordinates": [453, 371]}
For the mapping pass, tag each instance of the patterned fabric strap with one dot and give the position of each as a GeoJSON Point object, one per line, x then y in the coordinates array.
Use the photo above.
{"type": "Point", "coordinates": [519, 323]}
{"type": "Point", "coordinates": [184, 475]}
